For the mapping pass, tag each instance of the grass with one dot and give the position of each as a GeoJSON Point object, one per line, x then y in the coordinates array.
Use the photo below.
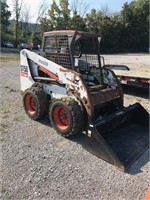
{"type": "Point", "coordinates": [3, 127]}
{"type": "Point", "coordinates": [4, 57]}
{"type": "Point", "coordinates": [19, 118]}
{"type": "Point", "coordinates": [4, 114]}
{"type": "Point", "coordinates": [6, 111]}
{"type": "Point", "coordinates": [3, 190]}
{"type": "Point", "coordinates": [2, 130]}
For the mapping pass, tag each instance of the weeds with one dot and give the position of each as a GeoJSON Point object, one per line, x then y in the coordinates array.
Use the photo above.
{"type": "Point", "coordinates": [3, 127]}
{"type": "Point", "coordinates": [18, 118]}
{"type": "Point", "coordinates": [9, 57]}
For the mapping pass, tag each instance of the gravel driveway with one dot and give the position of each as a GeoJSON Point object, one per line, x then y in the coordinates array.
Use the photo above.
{"type": "Point", "coordinates": [37, 163]}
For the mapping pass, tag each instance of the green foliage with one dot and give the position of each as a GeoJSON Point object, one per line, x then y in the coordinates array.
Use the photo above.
{"type": "Point", "coordinates": [124, 31]}
{"type": "Point", "coordinates": [135, 26]}
{"type": "Point", "coordinates": [5, 15]}
{"type": "Point", "coordinates": [77, 22]}
{"type": "Point", "coordinates": [34, 38]}
{"type": "Point", "coordinates": [65, 13]}
{"type": "Point", "coordinates": [94, 20]}
{"type": "Point", "coordinates": [59, 16]}
{"type": "Point", "coordinates": [45, 25]}
{"type": "Point", "coordinates": [17, 6]}
{"type": "Point", "coordinates": [6, 36]}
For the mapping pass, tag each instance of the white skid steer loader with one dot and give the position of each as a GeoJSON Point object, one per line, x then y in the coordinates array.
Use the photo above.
{"type": "Point", "coordinates": [68, 83]}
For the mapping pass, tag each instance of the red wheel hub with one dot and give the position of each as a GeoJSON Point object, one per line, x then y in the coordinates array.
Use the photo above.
{"type": "Point", "coordinates": [30, 104]}
{"type": "Point", "coordinates": [61, 117]}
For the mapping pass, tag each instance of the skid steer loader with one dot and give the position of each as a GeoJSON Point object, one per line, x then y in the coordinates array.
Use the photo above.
{"type": "Point", "coordinates": [67, 83]}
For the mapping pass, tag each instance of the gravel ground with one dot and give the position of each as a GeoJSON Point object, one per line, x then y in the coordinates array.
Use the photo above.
{"type": "Point", "coordinates": [37, 163]}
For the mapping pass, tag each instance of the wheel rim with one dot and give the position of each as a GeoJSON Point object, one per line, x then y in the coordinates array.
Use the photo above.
{"type": "Point", "coordinates": [61, 117]}
{"type": "Point", "coordinates": [30, 104]}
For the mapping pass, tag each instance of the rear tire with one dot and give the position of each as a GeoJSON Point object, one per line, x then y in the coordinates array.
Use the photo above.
{"type": "Point", "coordinates": [35, 103]}
{"type": "Point", "coordinates": [66, 116]}
{"type": "Point", "coordinates": [119, 103]}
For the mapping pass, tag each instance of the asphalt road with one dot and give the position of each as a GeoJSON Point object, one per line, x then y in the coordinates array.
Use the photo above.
{"type": "Point", "coordinates": [11, 50]}
{"type": "Point", "coordinates": [37, 163]}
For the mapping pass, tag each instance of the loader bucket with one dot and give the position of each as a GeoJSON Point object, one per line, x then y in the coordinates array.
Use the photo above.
{"type": "Point", "coordinates": [121, 137]}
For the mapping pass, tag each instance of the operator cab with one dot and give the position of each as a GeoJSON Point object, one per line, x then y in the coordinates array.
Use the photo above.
{"type": "Point", "coordinates": [75, 50]}
{"type": "Point", "coordinates": [87, 59]}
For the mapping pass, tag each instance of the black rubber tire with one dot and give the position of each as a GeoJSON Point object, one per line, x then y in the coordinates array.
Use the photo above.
{"type": "Point", "coordinates": [75, 117]}
{"type": "Point", "coordinates": [37, 97]}
{"type": "Point", "coordinates": [119, 103]}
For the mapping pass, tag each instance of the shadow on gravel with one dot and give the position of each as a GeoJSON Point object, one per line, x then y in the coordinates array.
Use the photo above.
{"type": "Point", "coordinates": [45, 121]}
{"type": "Point", "coordinates": [134, 169]}
{"type": "Point", "coordinates": [80, 139]}
{"type": "Point", "coordinates": [135, 91]}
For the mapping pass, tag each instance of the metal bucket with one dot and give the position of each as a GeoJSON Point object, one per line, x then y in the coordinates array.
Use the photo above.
{"type": "Point", "coordinates": [121, 137]}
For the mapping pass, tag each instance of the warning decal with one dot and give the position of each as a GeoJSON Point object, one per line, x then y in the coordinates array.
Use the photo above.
{"type": "Point", "coordinates": [24, 71]}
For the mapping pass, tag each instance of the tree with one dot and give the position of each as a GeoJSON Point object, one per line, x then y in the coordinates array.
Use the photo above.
{"type": "Point", "coordinates": [127, 30]}
{"type": "Point", "coordinates": [59, 16]}
{"type": "Point", "coordinates": [41, 14]}
{"type": "Point", "coordinates": [141, 28]}
{"type": "Point", "coordinates": [105, 10]}
{"type": "Point", "coordinates": [135, 25]}
{"type": "Point", "coordinates": [107, 26]}
{"type": "Point", "coordinates": [64, 14]}
{"type": "Point", "coordinates": [24, 22]}
{"type": "Point", "coordinates": [93, 21]}
{"type": "Point", "coordinates": [45, 25]}
{"type": "Point", "coordinates": [5, 15]}
{"type": "Point", "coordinates": [17, 6]}
{"type": "Point", "coordinates": [77, 22]}
{"type": "Point", "coordinates": [54, 15]}
{"type": "Point", "coordinates": [79, 7]}
{"type": "Point", "coordinates": [110, 32]}
{"type": "Point", "coordinates": [124, 31]}
{"type": "Point", "coordinates": [34, 38]}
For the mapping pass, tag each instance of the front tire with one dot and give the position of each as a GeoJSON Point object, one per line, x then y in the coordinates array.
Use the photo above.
{"type": "Point", "coordinates": [66, 116]}
{"type": "Point", "coordinates": [35, 103]}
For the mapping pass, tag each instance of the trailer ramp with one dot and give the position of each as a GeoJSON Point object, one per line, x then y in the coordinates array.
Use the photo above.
{"type": "Point", "coordinates": [121, 137]}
